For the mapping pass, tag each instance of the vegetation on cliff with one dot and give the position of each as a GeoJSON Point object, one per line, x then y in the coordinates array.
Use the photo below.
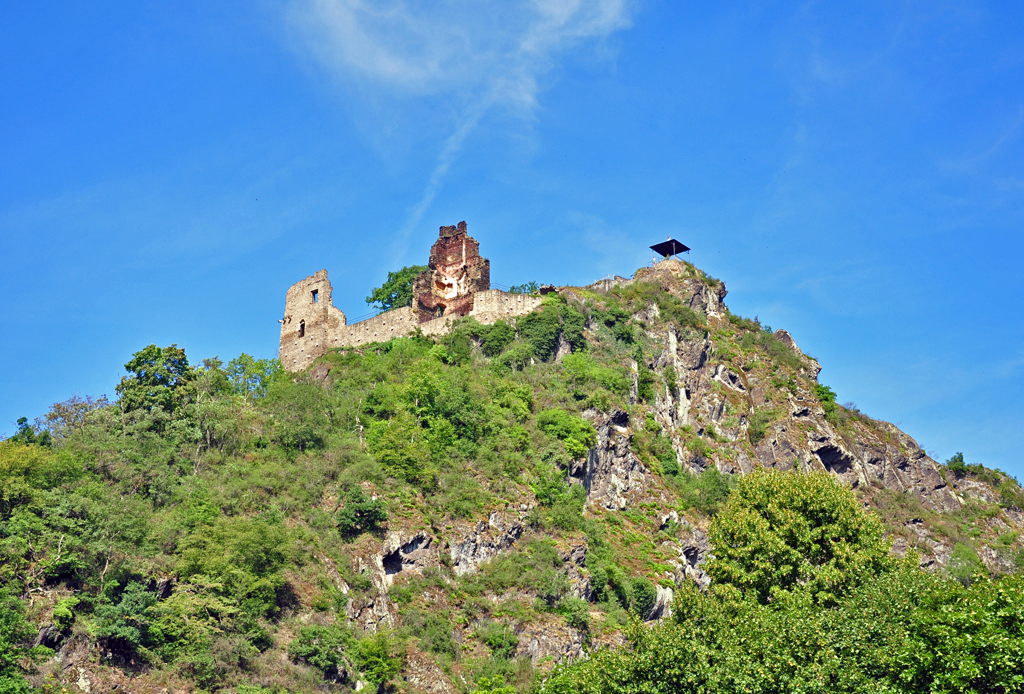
{"type": "Point", "coordinates": [461, 513]}
{"type": "Point", "coordinates": [806, 597]}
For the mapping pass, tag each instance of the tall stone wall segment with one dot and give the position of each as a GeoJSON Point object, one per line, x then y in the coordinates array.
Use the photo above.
{"type": "Point", "coordinates": [456, 285]}
{"type": "Point", "coordinates": [310, 322]}
{"type": "Point", "coordinates": [454, 275]}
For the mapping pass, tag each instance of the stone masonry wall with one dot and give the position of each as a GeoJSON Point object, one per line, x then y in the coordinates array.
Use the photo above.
{"type": "Point", "coordinates": [298, 353]}
{"type": "Point", "coordinates": [457, 284]}
{"type": "Point", "coordinates": [494, 305]}
{"type": "Point", "coordinates": [455, 274]}
{"type": "Point", "coordinates": [310, 322]}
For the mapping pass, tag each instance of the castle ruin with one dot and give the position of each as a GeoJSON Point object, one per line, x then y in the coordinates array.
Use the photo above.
{"type": "Point", "coordinates": [457, 283]}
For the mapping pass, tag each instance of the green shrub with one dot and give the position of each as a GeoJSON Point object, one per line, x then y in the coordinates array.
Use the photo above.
{"type": "Point", "coordinates": [638, 295]}
{"type": "Point", "coordinates": [63, 614]}
{"type": "Point", "coordinates": [400, 446]}
{"type": "Point", "coordinates": [359, 513]}
{"type": "Point", "coordinates": [1010, 494]}
{"type": "Point", "coordinates": [706, 491]}
{"type": "Point", "coordinates": [432, 630]}
{"type": "Point", "coordinates": [540, 330]}
{"type": "Point", "coordinates": [759, 421]}
{"type": "Point", "coordinates": [495, 338]}
{"type": "Point", "coordinates": [642, 597]}
{"type": "Point", "coordinates": [964, 564]}
{"type": "Point", "coordinates": [827, 397]}
{"type": "Point", "coordinates": [325, 648]}
{"type": "Point", "coordinates": [957, 465]}
{"type": "Point", "coordinates": [617, 321]}
{"type": "Point", "coordinates": [645, 378]}
{"type": "Point", "coordinates": [516, 357]}
{"type": "Point", "coordinates": [576, 613]}
{"type": "Point", "coordinates": [379, 657]}
{"type": "Point", "coordinates": [493, 685]}
{"type": "Point", "coordinates": [499, 638]}
{"type": "Point", "coordinates": [576, 434]}
{"type": "Point", "coordinates": [16, 656]}
{"type": "Point", "coordinates": [126, 627]}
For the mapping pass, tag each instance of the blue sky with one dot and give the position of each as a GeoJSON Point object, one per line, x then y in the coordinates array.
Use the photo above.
{"type": "Point", "coordinates": [854, 174]}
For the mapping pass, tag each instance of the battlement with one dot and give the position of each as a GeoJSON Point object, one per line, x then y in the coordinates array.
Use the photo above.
{"type": "Point", "coordinates": [456, 284]}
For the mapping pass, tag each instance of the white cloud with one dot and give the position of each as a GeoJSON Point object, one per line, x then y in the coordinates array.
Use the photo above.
{"type": "Point", "coordinates": [484, 53]}
{"type": "Point", "coordinates": [494, 50]}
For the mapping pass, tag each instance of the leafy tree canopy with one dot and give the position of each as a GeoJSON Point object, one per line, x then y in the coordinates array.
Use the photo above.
{"type": "Point", "coordinates": [396, 291]}
{"type": "Point", "coordinates": [250, 376]}
{"type": "Point", "coordinates": [28, 434]}
{"type": "Point", "coordinates": [780, 530]}
{"type": "Point", "coordinates": [155, 375]}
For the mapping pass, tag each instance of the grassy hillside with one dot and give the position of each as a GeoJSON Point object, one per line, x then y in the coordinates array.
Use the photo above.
{"type": "Point", "coordinates": [416, 515]}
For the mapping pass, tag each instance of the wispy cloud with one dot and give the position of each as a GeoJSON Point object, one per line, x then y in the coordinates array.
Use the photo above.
{"type": "Point", "coordinates": [482, 54]}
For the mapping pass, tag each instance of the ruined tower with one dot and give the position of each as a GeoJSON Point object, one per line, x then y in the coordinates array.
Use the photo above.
{"type": "Point", "coordinates": [456, 272]}
{"type": "Point", "coordinates": [310, 322]}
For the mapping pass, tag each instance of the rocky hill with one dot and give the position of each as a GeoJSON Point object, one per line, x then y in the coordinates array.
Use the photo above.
{"type": "Point", "coordinates": [427, 512]}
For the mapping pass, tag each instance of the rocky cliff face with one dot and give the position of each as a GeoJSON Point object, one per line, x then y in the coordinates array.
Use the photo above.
{"type": "Point", "coordinates": [736, 404]}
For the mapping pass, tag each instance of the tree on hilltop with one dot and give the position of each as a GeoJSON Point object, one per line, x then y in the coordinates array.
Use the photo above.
{"type": "Point", "coordinates": [396, 291]}
{"type": "Point", "coordinates": [154, 377]}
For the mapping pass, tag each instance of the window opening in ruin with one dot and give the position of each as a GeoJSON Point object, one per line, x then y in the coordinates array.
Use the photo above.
{"type": "Point", "coordinates": [440, 311]}
{"type": "Point", "coordinates": [302, 328]}
{"type": "Point", "coordinates": [316, 296]}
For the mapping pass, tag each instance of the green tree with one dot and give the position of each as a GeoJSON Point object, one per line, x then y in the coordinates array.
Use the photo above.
{"type": "Point", "coordinates": [577, 434]}
{"type": "Point", "coordinates": [360, 514]}
{"type": "Point", "coordinates": [782, 530]}
{"type": "Point", "coordinates": [493, 685]}
{"type": "Point", "coordinates": [155, 378]}
{"type": "Point", "coordinates": [530, 287]}
{"type": "Point", "coordinates": [324, 648]}
{"type": "Point", "coordinates": [126, 627]}
{"type": "Point", "coordinates": [15, 653]}
{"type": "Point", "coordinates": [396, 291]}
{"type": "Point", "coordinates": [642, 596]}
{"type": "Point", "coordinates": [28, 434]}
{"type": "Point", "coordinates": [252, 377]}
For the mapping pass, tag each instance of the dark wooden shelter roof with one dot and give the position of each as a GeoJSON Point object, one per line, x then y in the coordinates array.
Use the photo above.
{"type": "Point", "coordinates": [670, 247]}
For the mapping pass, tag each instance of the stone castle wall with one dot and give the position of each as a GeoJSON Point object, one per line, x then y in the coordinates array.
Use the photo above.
{"type": "Point", "coordinates": [456, 284]}
{"type": "Point", "coordinates": [297, 352]}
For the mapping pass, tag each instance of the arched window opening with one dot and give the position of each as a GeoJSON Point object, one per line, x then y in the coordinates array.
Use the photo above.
{"type": "Point", "coordinates": [302, 328]}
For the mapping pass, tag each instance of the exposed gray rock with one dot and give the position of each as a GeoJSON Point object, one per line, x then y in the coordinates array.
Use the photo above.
{"type": "Point", "coordinates": [693, 550]}
{"type": "Point", "coordinates": [614, 475]}
{"type": "Point", "coordinates": [728, 378]}
{"type": "Point", "coordinates": [489, 539]}
{"type": "Point", "coordinates": [413, 553]}
{"type": "Point", "coordinates": [785, 338]}
{"type": "Point", "coordinates": [662, 604]}
{"type": "Point", "coordinates": [550, 640]}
